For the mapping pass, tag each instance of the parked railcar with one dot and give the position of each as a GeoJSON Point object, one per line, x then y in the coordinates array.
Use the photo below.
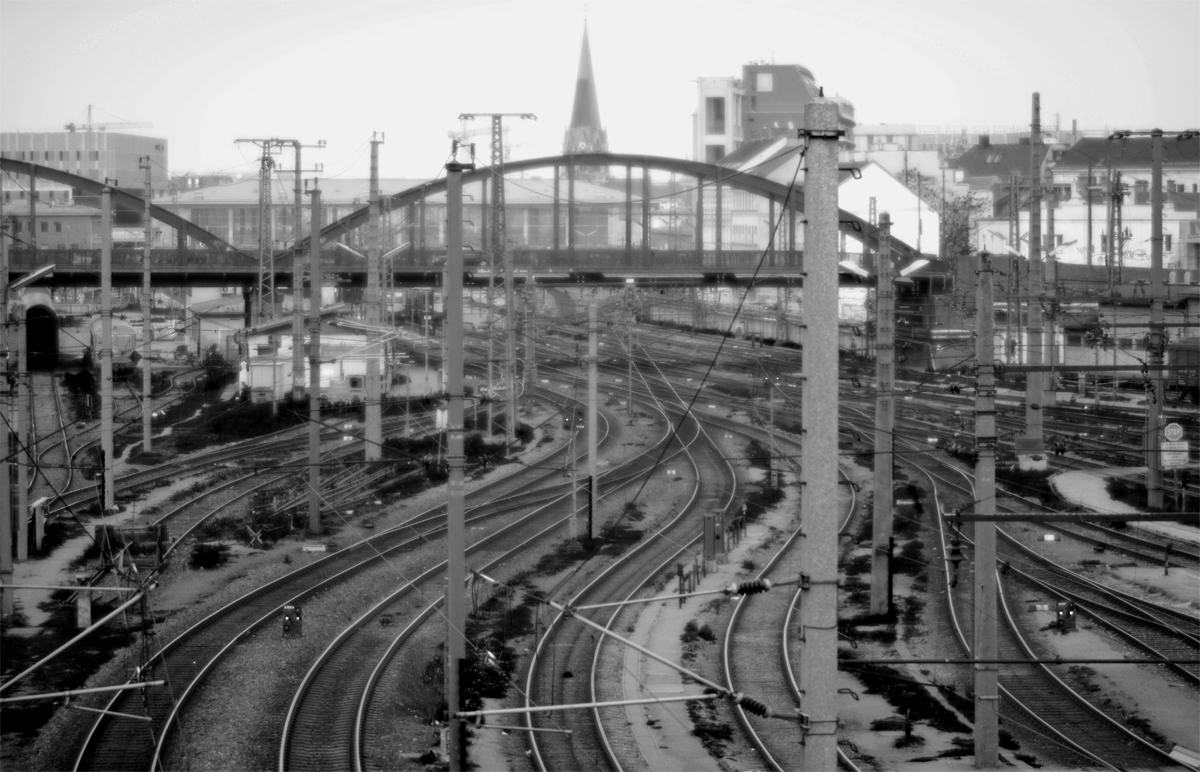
{"type": "Point", "coordinates": [1186, 383]}
{"type": "Point", "coordinates": [124, 345]}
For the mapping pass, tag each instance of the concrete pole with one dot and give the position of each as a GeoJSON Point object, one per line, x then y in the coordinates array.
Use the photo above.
{"type": "Point", "coordinates": [987, 699]}
{"type": "Point", "coordinates": [314, 367]}
{"type": "Point", "coordinates": [106, 353]}
{"type": "Point", "coordinates": [24, 453]}
{"type": "Point", "coordinates": [147, 305]}
{"type": "Point", "coordinates": [819, 458]}
{"type": "Point", "coordinates": [1113, 253]}
{"type": "Point", "coordinates": [297, 288]}
{"type": "Point", "coordinates": [1033, 306]}
{"type": "Point", "coordinates": [6, 514]}
{"type": "Point", "coordinates": [531, 374]}
{"type": "Point", "coordinates": [1154, 470]}
{"type": "Point", "coordinates": [372, 394]}
{"type": "Point", "coordinates": [456, 621]}
{"type": "Point", "coordinates": [33, 231]}
{"type": "Point", "coordinates": [510, 352]}
{"type": "Point", "coordinates": [592, 417]}
{"type": "Point", "coordinates": [1049, 333]}
{"type": "Point", "coordinates": [885, 374]}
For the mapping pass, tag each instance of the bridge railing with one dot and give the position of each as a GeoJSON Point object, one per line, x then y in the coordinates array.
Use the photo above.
{"type": "Point", "coordinates": [129, 259]}
{"type": "Point", "coordinates": [423, 260]}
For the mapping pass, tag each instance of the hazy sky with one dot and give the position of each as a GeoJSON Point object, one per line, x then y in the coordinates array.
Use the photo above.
{"type": "Point", "coordinates": [210, 71]}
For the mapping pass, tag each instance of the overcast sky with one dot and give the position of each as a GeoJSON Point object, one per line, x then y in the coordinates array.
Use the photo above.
{"type": "Point", "coordinates": [208, 72]}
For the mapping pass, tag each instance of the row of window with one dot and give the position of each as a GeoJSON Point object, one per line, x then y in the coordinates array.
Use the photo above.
{"type": "Point", "coordinates": [44, 223]}
{"type": "Point", "coordinates": [50, 155]}
{"type": "Point", "coordinates": [44, 195]}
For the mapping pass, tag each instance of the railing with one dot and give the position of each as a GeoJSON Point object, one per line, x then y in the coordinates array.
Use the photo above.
{"type": "Point", "coordinates": [334, 260]}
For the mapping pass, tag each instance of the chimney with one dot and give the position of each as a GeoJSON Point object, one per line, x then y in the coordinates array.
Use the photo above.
{"type": "Point", "coordinates": [984, 140]}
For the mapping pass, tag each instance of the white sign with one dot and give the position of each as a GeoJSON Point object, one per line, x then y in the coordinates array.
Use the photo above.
{"type": "Point", "coordinates": [1173, 432]}
{"type": "Point", "coordinates": [1174, 454]}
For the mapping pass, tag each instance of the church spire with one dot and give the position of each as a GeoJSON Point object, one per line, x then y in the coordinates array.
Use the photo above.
{"type": "Point", "coordinates": [585, 134]}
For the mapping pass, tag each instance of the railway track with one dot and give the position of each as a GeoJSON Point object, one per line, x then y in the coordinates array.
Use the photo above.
{"type": "Point", "coordinates": [115, 743]}
{"type": "Point", "coordinates": [1033, 695]}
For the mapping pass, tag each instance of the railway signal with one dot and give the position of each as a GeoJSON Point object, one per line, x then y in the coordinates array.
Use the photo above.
{"type": "Point", "coordinates": [293, 624]}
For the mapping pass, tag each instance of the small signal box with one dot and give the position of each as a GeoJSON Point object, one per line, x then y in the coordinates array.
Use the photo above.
{"type": "Point", "coordinates": [292, 623]}
{"type": "Point", "coordinates": [1066, 615]}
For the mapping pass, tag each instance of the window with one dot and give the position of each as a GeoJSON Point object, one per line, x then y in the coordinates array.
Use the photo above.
{"type": "Point", "coordinates": [753, 103]}
{"type": "Point", "coordinates": [1074, 340]}
{"type": "Point", "coordinates": [45, 227]}
{"type": "Point", "coordinates": [95, 155]}
{"type": "Point", "coordinates": [714, 153]}
{"type": "Point", "coordinates": [994, 158]}
{"type": "Point", "coordinates": [714, 110]}
{"type": "Point", "coordinates": [1167, 242]}
{"type": "Point", "coordinates": [1124, 343]}
{"type": "Point", "coordinates": [78, 155]}
{"type": "Point", "coordinates": [16, 226]}
{"type": "Point", "coordinates": [47, 155]}
{"type": "Point", "coordinates": [8, 195]}
{"type": "Point", "coordinates": [62, 155]}
{"type": "Point", "coordinates": [57, 227]}
{"type": "Point", "coordinates": [20, 195]}
{"type": "Point", "coordinates": [764, 81]}
{"type": "Point", "coordinates": [22, 155]}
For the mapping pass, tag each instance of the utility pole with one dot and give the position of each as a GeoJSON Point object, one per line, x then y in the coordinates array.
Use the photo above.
{"type": "Point", "coordinates": [147, 309]}
{"type": "Point", "coordinates": [1033, 313]}
{"type": "Point", "coordinates": [531, 373]}
{"type": "Point", "coordinates": [499, 238]}
{"type": "Point", "coordinates": [265, 291]}
{"type": "Point", "coordinates": [106, 353]}
{"type": "Point", "coordinates": [1014, 264]}
{"type": "Point", "coordinates": [885, 335]}
{"type": "Point", "coordinates": [1152, 438]}
{"type": "Point", "coordinates": [1087, 189]}
{"type": "Point", "coordinates": [456, 618]}
{"type": "Point", "coordinates": [374, 406]}
{"type": "Point", "coordinates": [592, 418]}
{"type": "Point", "coordinates": [6, 498]}
{"type": "Point", "coordinates": [819, 459]}
{"type": "Point", "coordinates": [1050, 277]}
{"type": "Point", "coordinates": [1111, 249]}
{"type": "Point", "coordinates": [297, 284]}
{"type": "Point", "coordinates": [987, 697]}
{"type": "Point", "coordinates": [314, 365]}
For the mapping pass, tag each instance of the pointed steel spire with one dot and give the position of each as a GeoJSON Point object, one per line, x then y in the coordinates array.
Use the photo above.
{"type": "Point", "coordinates": [585, 134]}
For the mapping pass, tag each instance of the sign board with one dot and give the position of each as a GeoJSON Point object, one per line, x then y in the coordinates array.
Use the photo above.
{"type": "Point", "coordinates": [1174, 454]}
{"type": "Point", "coordinates": [1173, 432]}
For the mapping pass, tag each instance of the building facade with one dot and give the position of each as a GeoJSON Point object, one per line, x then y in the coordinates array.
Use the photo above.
{"type": "Point", "coordinates": [98, 155]}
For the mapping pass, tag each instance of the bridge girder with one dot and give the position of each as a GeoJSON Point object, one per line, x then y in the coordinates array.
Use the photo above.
{"type": "Point", "coordinates": [854, 226]}
{"type": "Point", "coordinates": [121, 198]}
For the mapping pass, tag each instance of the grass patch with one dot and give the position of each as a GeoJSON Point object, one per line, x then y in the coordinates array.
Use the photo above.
{"type": "Point", "coordinates": [714, 734]}
{"type": "Point", "coordinates": [905, 696]}
{"type": "Point", "coordinates": [1029, 483]}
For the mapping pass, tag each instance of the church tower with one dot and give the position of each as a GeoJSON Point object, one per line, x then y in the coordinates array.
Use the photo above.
{"type": "Point", "coordinates": [585, 134]}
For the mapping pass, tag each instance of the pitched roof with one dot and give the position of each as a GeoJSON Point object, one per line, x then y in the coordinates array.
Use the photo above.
{"type": "Point", "coordinates": [996, 160]}
{"type": "Point", "coordinates": [518, 191]}
{"type": "Point", "coordinates": [1130, 152]}
{"type": "Point", "coordinates": [335, 191]}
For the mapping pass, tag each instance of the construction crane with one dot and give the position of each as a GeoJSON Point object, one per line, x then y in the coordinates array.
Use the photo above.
{"type": "Point", "coordinates": [90, 127]}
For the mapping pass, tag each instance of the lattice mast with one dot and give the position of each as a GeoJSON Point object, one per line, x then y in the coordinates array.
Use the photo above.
{"type": "Point", "coordinates": [499, 258]}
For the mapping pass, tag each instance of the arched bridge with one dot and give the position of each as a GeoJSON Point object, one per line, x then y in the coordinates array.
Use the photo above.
{"type": "Point", "coordinates": [713, 225]}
